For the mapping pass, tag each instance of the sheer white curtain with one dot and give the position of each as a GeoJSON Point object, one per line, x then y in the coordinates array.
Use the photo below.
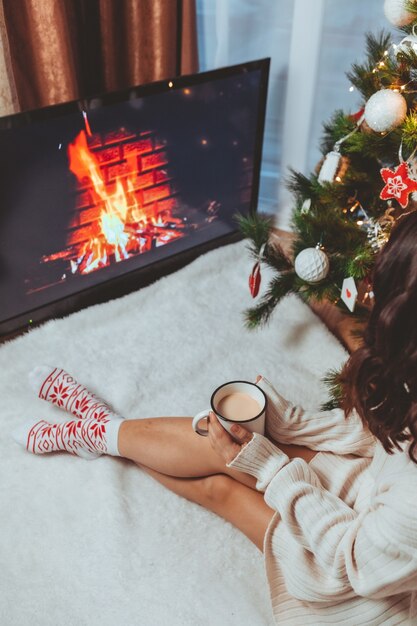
{"type": "Point", "coordinates": [312, 44]}
{"type": "Point", "coordinates": [234, 31]}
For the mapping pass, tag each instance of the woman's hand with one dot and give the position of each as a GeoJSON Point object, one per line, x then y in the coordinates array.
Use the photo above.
{"type": "Point", "coordinates": [222, 442]}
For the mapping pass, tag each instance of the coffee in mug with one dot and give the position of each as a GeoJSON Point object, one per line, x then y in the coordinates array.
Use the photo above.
{"type": "Point", "coordinates": [238, 406]}
{"type": "Point", "coordinates": [238, 401]}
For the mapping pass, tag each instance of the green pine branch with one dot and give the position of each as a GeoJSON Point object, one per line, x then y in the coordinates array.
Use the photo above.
{"type": "Point", "coordinates": [332, 379]}
{"type": "Point", "coordinates": [279, 287]}
{"type": "Point", "coordinates": [257, 229]}
{"type": "Point", "coordinates": [275, 257]}
{"type": "Point", "coordinates": [360, 264]}
{"type": "Point", "coordinates": [411, 6]}
{"type": "Point", "coordinates": [362, 76]}
{"type": "Point", "coordinates": [409, 132]}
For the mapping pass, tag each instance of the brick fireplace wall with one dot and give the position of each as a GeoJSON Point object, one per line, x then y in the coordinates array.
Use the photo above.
{"type": "Point", "coordinates": [122, 154]}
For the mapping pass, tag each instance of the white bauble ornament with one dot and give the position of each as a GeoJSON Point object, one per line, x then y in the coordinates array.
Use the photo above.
{"type": "Point", "coordinates": [312, 265]}
{"type": "Point", "coordinates": [385, 110]}
{"type": "Point", "coordinates": [396, 13]}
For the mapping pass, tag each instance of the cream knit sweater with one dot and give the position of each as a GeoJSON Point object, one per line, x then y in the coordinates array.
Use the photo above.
{"type": "Point", "coordinates": [342, 546]}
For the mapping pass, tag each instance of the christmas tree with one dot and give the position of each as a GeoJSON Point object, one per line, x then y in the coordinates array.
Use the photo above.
{"type": "Point", "coordinates": [366, 181]}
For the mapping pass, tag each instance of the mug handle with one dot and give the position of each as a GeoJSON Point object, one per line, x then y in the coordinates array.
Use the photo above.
{"type": "Point", "coordinates": [197, 419]}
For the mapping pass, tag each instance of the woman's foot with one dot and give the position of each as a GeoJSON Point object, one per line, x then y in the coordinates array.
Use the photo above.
{"type": "Point", "coordinates": [57, 386]}
{"type": "Point", "coordinates": [87, 438]}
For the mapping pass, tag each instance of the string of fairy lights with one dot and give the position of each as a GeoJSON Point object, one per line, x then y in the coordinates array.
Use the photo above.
{"type": "Point", "coordinates": [377, 229]}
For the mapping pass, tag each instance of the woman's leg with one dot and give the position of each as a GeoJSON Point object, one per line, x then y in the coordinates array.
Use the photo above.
{"type": "Point", "coordinates": [237, 503]}
{"type": "Point", "coordinates": [169, 445]}
{"type": "Point", "coordinates": [230, 496]}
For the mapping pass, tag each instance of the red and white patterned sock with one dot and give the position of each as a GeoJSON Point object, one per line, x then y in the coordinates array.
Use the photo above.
{"type": "Point", "coordinates": [87, 438]}
{"type": "Point", "coordinates": [57, 386]}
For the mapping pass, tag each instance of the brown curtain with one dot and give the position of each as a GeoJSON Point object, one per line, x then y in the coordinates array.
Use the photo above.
{"type": "Point", "coordinates": [59, 50]}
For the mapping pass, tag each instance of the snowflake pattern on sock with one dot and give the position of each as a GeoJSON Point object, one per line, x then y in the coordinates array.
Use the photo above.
{"type": "Point", "coordinates": [85, 438]}
{"type": "Point", "coordinates": [62, 390]}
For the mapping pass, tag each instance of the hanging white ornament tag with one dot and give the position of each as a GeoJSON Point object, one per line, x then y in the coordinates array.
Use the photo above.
{"type": "Point", "coordinates": [306, 206]}
{"type": "Point", "coordinates": [349, 293]}
{"type": "Point", "coordinates": [329, 168]}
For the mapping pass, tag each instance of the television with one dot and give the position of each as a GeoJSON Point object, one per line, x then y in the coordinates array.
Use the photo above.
{"type": "Point", "coordinates": [102, 196]}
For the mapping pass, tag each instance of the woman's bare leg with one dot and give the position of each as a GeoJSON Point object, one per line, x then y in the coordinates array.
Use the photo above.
{"type": "Point", "coordinates": [237, 503]}
{"type": "Point", "coordinates": [170, 451]}
{"type": "Point", "coordinates": [170, 446]}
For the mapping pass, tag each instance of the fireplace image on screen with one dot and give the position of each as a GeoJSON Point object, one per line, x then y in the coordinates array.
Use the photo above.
{"type": "Point", "coordinates": [90, 193]}
{"type": "Point", "coordinates": [125, 203]}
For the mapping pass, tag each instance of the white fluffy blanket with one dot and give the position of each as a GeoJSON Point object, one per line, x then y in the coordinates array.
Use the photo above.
{"type": "Point", "coordinates": [99, 543]}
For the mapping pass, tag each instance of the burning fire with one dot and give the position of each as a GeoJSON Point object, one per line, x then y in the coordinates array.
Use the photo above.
{"type": "Point", "coordinates": [123, 226]}
{"type": "Point", "coordinates": [123, 205]}
{"type": "Point", "coordinates": [115, 209]}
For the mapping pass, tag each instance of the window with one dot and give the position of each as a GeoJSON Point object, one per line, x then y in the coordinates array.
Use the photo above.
{"type": "Point", "coordinates": [311, 45]}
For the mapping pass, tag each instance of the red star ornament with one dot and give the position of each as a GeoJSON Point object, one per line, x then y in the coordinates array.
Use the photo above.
{"type": "Point", "coordinates": [398, 184]}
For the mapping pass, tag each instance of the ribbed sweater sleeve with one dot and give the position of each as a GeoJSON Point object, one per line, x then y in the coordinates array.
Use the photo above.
{"type": "Point", "coordinates": [330, 431]}
{"type": "Point", "coordinates": [344, 553]}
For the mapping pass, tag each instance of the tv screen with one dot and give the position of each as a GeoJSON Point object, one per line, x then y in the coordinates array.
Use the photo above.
{"type": "Point", "coordinates": [99, 190]}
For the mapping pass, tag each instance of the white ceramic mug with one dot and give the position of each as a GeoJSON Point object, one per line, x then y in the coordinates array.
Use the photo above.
{"type": "Point", "coordinates": [255, 424]}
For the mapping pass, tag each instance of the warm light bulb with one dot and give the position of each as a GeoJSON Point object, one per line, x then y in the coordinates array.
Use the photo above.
{"type": "Point", "coordinates": [351, 88]}
{"type": "Point", "coordinates": [338, 179]}
{"type": "Point", "coordinates": [170, 84]}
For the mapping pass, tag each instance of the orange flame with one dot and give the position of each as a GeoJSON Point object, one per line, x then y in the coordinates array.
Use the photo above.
{"type": "Point", "coordinates": [114, 212]}
{"type": "Point", "coordinates": [117, 232]}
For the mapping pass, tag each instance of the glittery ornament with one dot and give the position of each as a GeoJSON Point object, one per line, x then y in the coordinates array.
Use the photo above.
{"type": "Point", "coordinates": [385, 110]}
{"type": "Point", "coordinates": [406, 45]}
{"type": "Point", "coordinates": [378, 230]}
{"type": "Point", "coordinates": [396, 12]}
{"type": "Point", "coordinates": [398, 184]}
{"type": "Point", "coordinates": [312, 265]}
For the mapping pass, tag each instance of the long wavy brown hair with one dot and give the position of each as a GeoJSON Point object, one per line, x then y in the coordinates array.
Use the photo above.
{"type": "Point", "coordinates": [380, 378]}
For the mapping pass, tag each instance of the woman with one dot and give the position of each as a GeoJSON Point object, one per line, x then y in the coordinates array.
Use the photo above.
{"type": "Point", "coordinates": [334, 503]}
